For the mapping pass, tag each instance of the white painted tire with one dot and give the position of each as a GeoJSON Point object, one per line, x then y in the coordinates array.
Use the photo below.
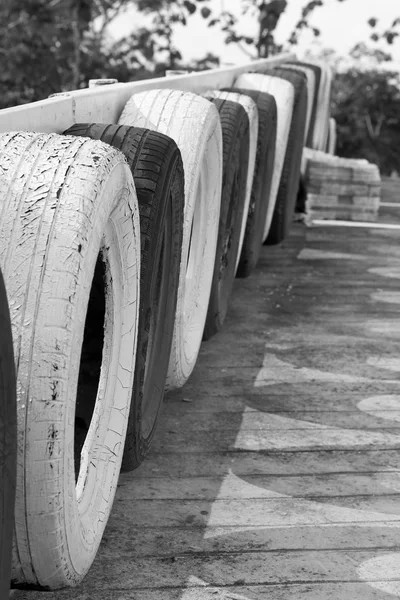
{"type": "Point", "coordinates": [283, 92]}
{"type": "Point", "coordinates": [311, 83]}
{"type": "Point", "coordinates": [252, 112]}
{"type": "Point", "coordinates": [332, 138]}
{"type": "Point", "coordinates": [193, 122]}
{"type": "Point", "coordinates": [65, 199]}
{"type": "Point", "coordinates": [323, 108]}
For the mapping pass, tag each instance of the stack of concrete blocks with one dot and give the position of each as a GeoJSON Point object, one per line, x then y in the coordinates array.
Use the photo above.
{"type": "Point", "coordinates": [340, 188]}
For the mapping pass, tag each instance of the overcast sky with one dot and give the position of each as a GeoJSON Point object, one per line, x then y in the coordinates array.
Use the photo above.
{"type": "Point", "coordinates": [342, 25]}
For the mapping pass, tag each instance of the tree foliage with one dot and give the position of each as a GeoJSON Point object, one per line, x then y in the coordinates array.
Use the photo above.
{"type": "Point", "coordinates": [366, 105]}
{"type": "Point", "coordinates": [50, 46]}
{"type": "Point", "coordinates": [388, 34]}
{"type": "Point", "coordinates": [46, 45]}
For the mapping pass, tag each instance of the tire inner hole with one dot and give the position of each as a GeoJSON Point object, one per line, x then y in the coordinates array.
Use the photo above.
{"type": "Point", "coordinates": [91, 360]}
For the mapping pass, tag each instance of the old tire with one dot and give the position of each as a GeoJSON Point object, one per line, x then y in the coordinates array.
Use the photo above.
{"type": "Point", "coordinates": [283, 93]}
{"type": "Point", "coordinates": [332, 137]}
{"type": "Point", "coordinates": [236, 141]}
{"type": "Point", "coordinates": [157, 170]}
{"type": "Point", "coordinates": [326, 100]}
{"type": "Point", "coordinates": [70, 254]}
{"type": "Point", "coordinates": [262, 181]}
{"type": "Point", "coordinates": [323, 109]}
{"type": "Point", "coordinates": [252, 112]}
{"type": "Point", "coordinates": [290, 177]}
{"type": "Point", "coordinates": [193, 122]}
{"type": "Point", "coordinates": [310, 78]}
{"type": "Point", "coordinates": [312, 132]}
{"type": "Point", "coordinates": [319, 134]}
{"type": "Point", "coordinates": [8, 441]}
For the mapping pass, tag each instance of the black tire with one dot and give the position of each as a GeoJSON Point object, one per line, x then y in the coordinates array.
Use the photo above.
{"type": "Point", "coordinates": [8, 442]}
{"type": "Point", "coordinates": [157, 169]}
{"type": "Point", "coordinates": [290, 178]}
{"type": "Point", "coordinates": [301, 197]}
{"type": "Point", "coordinates": [236, 143]}
{"type": "Point", "coordinates": [318, 74]}
{"type": "Point", "coordinates": [260, 193]}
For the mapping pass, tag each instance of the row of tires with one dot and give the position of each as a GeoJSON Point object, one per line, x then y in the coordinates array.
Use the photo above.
{"type": "Point", "coordinates": [119, 245]}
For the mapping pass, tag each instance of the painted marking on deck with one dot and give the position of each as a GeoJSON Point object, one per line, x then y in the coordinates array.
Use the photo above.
{"type": "Point", "coordinates": [389, 328]}
{"type": "Point", "coordinates": [279, 346]}
{"type": "Point", "coordinates": [312, 254]}
{"type": "Point", "coordinates": [363, 224]}
{"type": "Point", "coordinates": [308, 435]}
{"type": "Point", "coordinates": [390, 272]}
{"type": "Point", "coordinates": [386, 406]}
{"type": "Point", "coordinates": [384, 362]}
{"type": "Point", "coordinates": [274, 371]}
{"type": "Point", "coordinates": [388, 297]}
{"type": "Point", "coordinates": [382, 573]}
{"type": "Point", "coordinates": [207, 592]}
{"type": "Point", "coordinates": [275, 510]}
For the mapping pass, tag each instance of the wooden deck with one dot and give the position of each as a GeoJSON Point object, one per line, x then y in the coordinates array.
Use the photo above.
{"type": "Point", "coordinates": [276, 470]}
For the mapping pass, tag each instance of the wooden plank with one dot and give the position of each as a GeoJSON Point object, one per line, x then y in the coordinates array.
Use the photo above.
{"type": "Point", "coordinates": [267, 441]}
{"type": "Point", "coordinates": [269, 373]}
{"type": "Point", "coordinates": [378, 483]}
{"type": "Point", "coordinates": [257, 568]}
{"type": "Point", "coordinates": [346, 223]}
{"type": "Point", "coordinates": [233, 385]}
{"type": "Point", "coordinates": [253, 513]}
{"type": "Point", "coordinates": [313, 407]}
{"type": "Point", "coordinates": [284, 421]}
{"type": "Point", "coordinates": [243, 463]}
{"type": "Point", "coordinates": [306, 591]}
{"type": "Point", "coordinates": [167, 541]}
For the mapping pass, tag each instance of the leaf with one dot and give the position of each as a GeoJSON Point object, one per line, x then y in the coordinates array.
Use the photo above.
{"type": "Point", "coordinates": [390, 36]}
{"type": "Point", "coordinates": [301, 24]}
{"type": "Point", "coordinates": [205, 12]}
{"type": "Point", "coordinates": [190, 7]}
